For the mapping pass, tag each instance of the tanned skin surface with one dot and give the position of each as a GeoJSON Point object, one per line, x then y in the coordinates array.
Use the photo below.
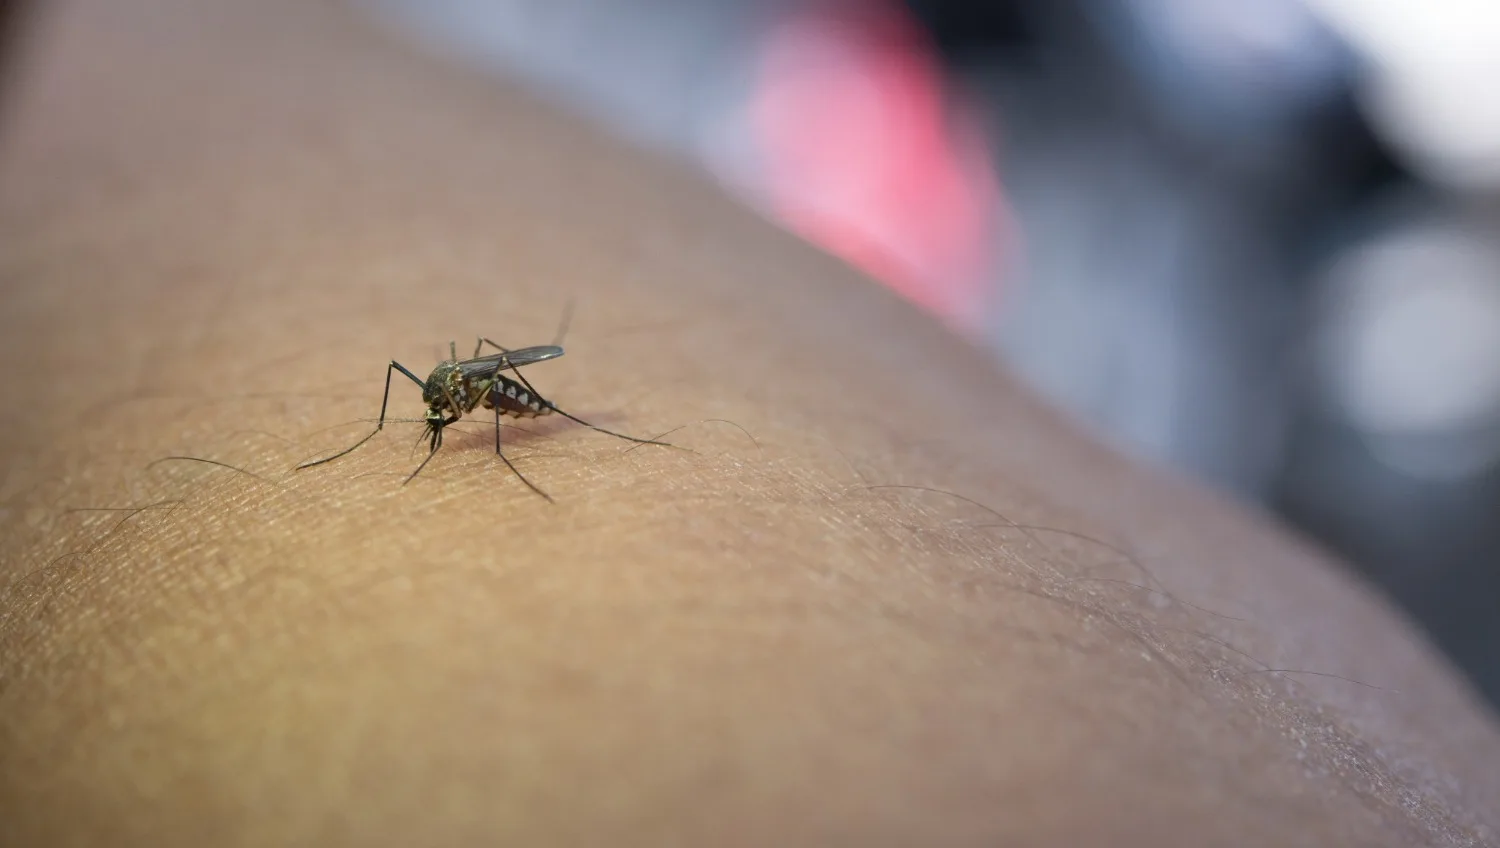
{"type": "Point", "coordinates": [220, 221]}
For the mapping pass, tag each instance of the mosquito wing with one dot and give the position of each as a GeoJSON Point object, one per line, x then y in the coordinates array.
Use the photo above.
{"type": "Point", "coordinates": [484, 366]}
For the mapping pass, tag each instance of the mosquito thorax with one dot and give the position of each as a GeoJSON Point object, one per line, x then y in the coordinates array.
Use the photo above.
{"type": "Point", "coordinates": [446, 381]}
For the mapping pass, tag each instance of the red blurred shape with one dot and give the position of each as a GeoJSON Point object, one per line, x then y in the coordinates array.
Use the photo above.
{"type": "Point", "coordinates": [864, 158]}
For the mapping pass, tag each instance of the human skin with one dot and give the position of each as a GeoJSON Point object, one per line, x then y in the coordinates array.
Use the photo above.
{"type": "Point", "coordinates": [219, 221]}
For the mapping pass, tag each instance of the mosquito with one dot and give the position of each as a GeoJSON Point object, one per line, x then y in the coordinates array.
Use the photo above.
{"type": "Point", "coordinates": [456, 387]}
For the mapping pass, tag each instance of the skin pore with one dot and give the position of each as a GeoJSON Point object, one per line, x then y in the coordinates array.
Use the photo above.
{"type": "Point", "coordinates": [884, 597]}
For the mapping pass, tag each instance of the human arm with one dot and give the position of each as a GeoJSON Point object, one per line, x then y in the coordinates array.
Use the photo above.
{"type": "Point", "coordinates": [221, 220]}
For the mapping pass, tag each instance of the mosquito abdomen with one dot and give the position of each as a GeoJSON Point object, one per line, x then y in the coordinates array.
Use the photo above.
{"type": "Point", "coordinates": [511, 398]}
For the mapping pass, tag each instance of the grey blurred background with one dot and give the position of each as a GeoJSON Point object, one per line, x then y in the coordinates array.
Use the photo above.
{"type": "Point", "coordinates": [1254, 241]}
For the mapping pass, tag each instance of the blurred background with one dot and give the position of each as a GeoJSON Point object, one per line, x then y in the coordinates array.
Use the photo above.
{"type": "Point", "coordinates": [1258, 242]}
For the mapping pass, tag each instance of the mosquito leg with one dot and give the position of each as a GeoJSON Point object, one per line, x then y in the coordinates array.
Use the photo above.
{"type": "Point", "coordinates": [522, 477]}
{"type": "Point", "coordinates": [575, 418]}
{"type": "Point", "coordinates": [538, 395]}
{"type": "Point", "coordinates": [482, 341]}
{"type": "Point", "coordinates": [514, 470]}
{"type": "Point", "coordinates": [384, 402]}
{"type": "Point", "coordinates": [503, 363]}
{"type": "Point", "coordinates": [500, 365]}
{"type": "Point", "coordinates": [562, 330]}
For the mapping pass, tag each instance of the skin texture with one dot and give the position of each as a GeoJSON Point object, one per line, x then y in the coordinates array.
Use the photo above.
{"type": "Point", "coordinates": [219, 221]}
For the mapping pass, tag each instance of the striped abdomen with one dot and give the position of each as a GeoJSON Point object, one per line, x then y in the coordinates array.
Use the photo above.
{"type": "Point", "coordinates": [512, 398]}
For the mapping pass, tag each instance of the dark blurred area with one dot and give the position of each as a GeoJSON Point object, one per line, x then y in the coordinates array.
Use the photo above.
{"type": "Point", "coordinates": [1256, 242]}
{"type": "Point", "coordinates": [12, 12]}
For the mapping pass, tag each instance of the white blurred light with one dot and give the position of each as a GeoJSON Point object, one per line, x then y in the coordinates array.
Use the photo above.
{"type": "Point", "coordinates": [1432, 68]}
{"type": "Point", "coordinates": [1410, 348]}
